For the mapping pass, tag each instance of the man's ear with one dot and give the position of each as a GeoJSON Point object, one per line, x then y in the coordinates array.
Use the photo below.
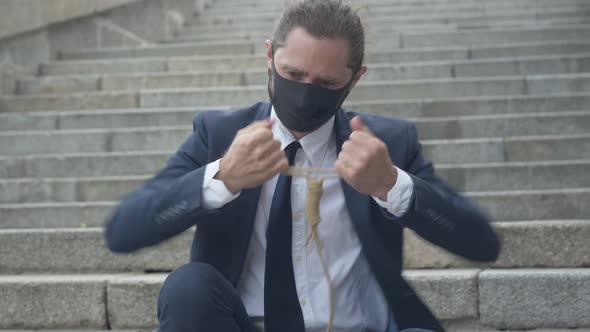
{"type": "Point", "coordinates": [358, 76]}
{"type": "Point", "coordinates": [268, 45]}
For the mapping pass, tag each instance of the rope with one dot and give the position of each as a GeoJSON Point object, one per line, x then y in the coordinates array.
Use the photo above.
{"type": "Point", "coordinates": [312, 213]}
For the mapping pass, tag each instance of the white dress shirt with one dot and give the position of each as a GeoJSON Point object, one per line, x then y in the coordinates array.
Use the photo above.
{"type": "Point", "coordinates": [359, 301]}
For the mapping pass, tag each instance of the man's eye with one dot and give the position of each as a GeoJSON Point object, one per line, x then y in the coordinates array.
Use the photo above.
{"type": "Point", "coordinates": [293, 74]}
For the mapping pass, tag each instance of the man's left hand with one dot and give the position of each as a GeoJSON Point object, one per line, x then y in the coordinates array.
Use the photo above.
{"type": "Point", "coordinates": [364, 162]}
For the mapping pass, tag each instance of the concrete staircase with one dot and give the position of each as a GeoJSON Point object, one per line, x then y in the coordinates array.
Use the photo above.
{"type": "Point", "coordinates": [500, 92]}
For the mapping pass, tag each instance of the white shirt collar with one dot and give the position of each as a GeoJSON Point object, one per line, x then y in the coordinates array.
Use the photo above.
{"type": "Point", "coordinates": [314, 144]}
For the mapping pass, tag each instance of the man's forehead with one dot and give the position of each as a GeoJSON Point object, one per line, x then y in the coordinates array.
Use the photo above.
{"type": "Point", "coordinates": [303, 52]}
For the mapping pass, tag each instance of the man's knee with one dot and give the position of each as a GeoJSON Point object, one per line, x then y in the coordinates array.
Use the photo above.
{"type": "Point", "coordinates": [190, 286]}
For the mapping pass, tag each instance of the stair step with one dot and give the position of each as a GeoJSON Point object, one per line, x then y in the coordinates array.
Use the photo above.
{"type": "Point", "coordinates": [490, 37]}
{"type": "Point", "coordinates": [501, 205]}
{"type": "Point", "coordinates": [74, 250]}
{"type": "Point", "coordinates": [82, 250]}
{"type": "Point", "coordinates": [396, 41]}
{"type": "Point", "coordinates": [107, 188]}
{"type": "Point", "coordinates": [457, 20]}
{"type": "Point", "coordinates": [184, 63]}
{"type": "Point", "coordinates": [371, 91]}
{"type": "Point", "coordinates": [560, 64]}
{"type": "Point", "coordinates": [180, 116]}
{"type": "Point", "coordinates": [93, 119]}
{"type": "Point", "coordinates": [405, 91]}
{"type": "Point", "coordinates": [473, 177]}
{"type": "Point", "coordinates": [550, 243]}
{"type": "Point", "coordinates": [376, 30]}
{"type": "Point", "coordinates": [270, 13]}
{"type": "Point", "coordinates": [499, 91]}
{"type": "Point", "coordinates": [518, 298]}
{"type": "Point", "coordinates": [500, 297]}
{"type": "Point", "coordinates": [169, 138]}
{"type": "Point", "coordinates": [242, 5]}
{"type": "Point", "coordinates": [203, 48]}
{"type": "Point", "coordinates": [101, 100]}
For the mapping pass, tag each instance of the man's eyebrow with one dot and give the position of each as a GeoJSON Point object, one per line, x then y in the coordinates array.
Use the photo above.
{"type": "Point", "coordinates": [297, 70]}
{"type": "Point", "coordinates": [291, 68]}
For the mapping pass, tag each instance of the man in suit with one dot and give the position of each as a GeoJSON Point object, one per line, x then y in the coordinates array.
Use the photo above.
{"type": "Point", "coordinates": [250, 267]}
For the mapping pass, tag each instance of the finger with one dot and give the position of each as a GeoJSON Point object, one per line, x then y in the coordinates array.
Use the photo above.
{"type": "Point", "coordinates": [343, 168]}
{"type": "Point", "coordinates": [280, 166]}
{"type": "Point", "coordinates": [360, 136]}
{"type": "Point", "coordinates": [347, 146]}
{"type": "Point", "coordinates": [257, 124]}
{"type": "Point", "coordinates": [263, 123]}
{"type": "Point", "coordinates": [356, 124]}
{"type": "Point", "coordinates": [339, 167]}
{"type": "Point", "coordinates": [272, 158]}
{"type": "Point", "coordinates": [260, 134]}
{"type": "Point", "coordinates": [344, 160]}
{"type": "Point", "coordinates": [267, 147]}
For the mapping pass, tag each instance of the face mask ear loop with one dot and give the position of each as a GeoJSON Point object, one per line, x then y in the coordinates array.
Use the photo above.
{"type": "Point", "coordinates": [345, 95]}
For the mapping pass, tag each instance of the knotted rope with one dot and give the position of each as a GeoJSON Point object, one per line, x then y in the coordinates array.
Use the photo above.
{"type": "Point", "coordinates": [312, 213]}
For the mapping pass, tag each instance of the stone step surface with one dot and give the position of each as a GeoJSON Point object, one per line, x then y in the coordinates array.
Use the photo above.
{"type": "Point", "coordinates": [470, 177]}
{"type": "Point", "coordinates": [183, 62]}
{"type": "Point", "coordinates": [204, 48]}
{"type": "Point", "coordinates": [180, 116]}
{"type": "Point", "coordinates": [456, 151]}
{"type": "Point", "coordinates": [566, 203]}
{"type": "Point", "coordinates": [107, 188]}
{"type": "Point", "coordinates": [497, 296]}
{"type": "Point", "coordinates": [544, 85]}
{"type": "Point", "coordinates": [255, 6]}
{"type": "Point", "coordinates": [169, 138]}
{"type": "Point", "coordinates": [364, 92]}
{"type": "Point", "coordinates": [395, 41]}
{"type": "Point", "coordinates": [499, 92]}
{"type": "Point", "coordinates": [254, 30]}
{"type": "Point", "coordinates": [257, 31]}
{"type": "Point", "coordinates": [453, 19]}
{"type": "Point", "coordinates": [370, 11]}
{"type": "Point", "coordinates": [370, 91]}
{"type": "Point", "coordinates": [554, 64]}
{"type": "Point", "coordinates": [375, 30]}
{"type": "Point", "coordinates": [82, 250]}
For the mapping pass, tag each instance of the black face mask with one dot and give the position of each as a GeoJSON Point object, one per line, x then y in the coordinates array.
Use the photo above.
{"type": "Point", "coordinates": [304, 107]}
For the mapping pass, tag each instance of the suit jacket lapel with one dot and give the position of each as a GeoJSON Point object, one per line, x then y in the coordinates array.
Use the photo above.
{"type": "Point", "coordinates": [247, 205]}
{"type": "Point", "coordinates": [251, 196]}
{"type": "Point", "coordinates": [359, 209]}
{"type": "Point", "coordinates": [358, 204]}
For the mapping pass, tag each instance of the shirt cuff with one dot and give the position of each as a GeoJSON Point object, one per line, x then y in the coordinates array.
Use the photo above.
{"type": "Point", "coordinates": [400, 196]}
{"type": "Point", "coordinates": [215, 193]}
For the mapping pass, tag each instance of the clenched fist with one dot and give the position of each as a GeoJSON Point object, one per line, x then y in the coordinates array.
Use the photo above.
{"type": "Point", "coordinates": [364, 162]}
{"type": "Point", "coordinates": [253, 158]}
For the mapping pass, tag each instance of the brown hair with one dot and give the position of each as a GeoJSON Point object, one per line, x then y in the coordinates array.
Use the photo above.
{"type": "Point", "coordinates": [324, 19]}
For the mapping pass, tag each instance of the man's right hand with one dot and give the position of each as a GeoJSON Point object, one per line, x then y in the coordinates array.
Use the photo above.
{"type": "Point", "coordinates": [253, 158]}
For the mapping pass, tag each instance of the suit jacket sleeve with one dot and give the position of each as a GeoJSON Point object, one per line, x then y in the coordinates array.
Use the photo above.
{"type": "Point", "coordinates": [168, 204]}
{"type": "Point", "coordinates": [441, 215]}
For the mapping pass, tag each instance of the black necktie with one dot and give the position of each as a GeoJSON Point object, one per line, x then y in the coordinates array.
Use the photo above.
{"type": "Point", "coordinates": [282, 312]}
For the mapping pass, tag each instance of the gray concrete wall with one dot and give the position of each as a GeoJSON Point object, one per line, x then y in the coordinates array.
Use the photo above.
{"type": "Point", "coordinates": [35, 31]}
{"type": "Point", "coordinates": [19, 16]}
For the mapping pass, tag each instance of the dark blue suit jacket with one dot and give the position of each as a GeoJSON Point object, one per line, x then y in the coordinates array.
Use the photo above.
{"type": "Point", "coordinates": [171, 203]}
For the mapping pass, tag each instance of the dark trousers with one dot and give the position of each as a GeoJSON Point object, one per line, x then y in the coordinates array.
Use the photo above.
{"type": "Point", "coordinates": [196, 297]}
